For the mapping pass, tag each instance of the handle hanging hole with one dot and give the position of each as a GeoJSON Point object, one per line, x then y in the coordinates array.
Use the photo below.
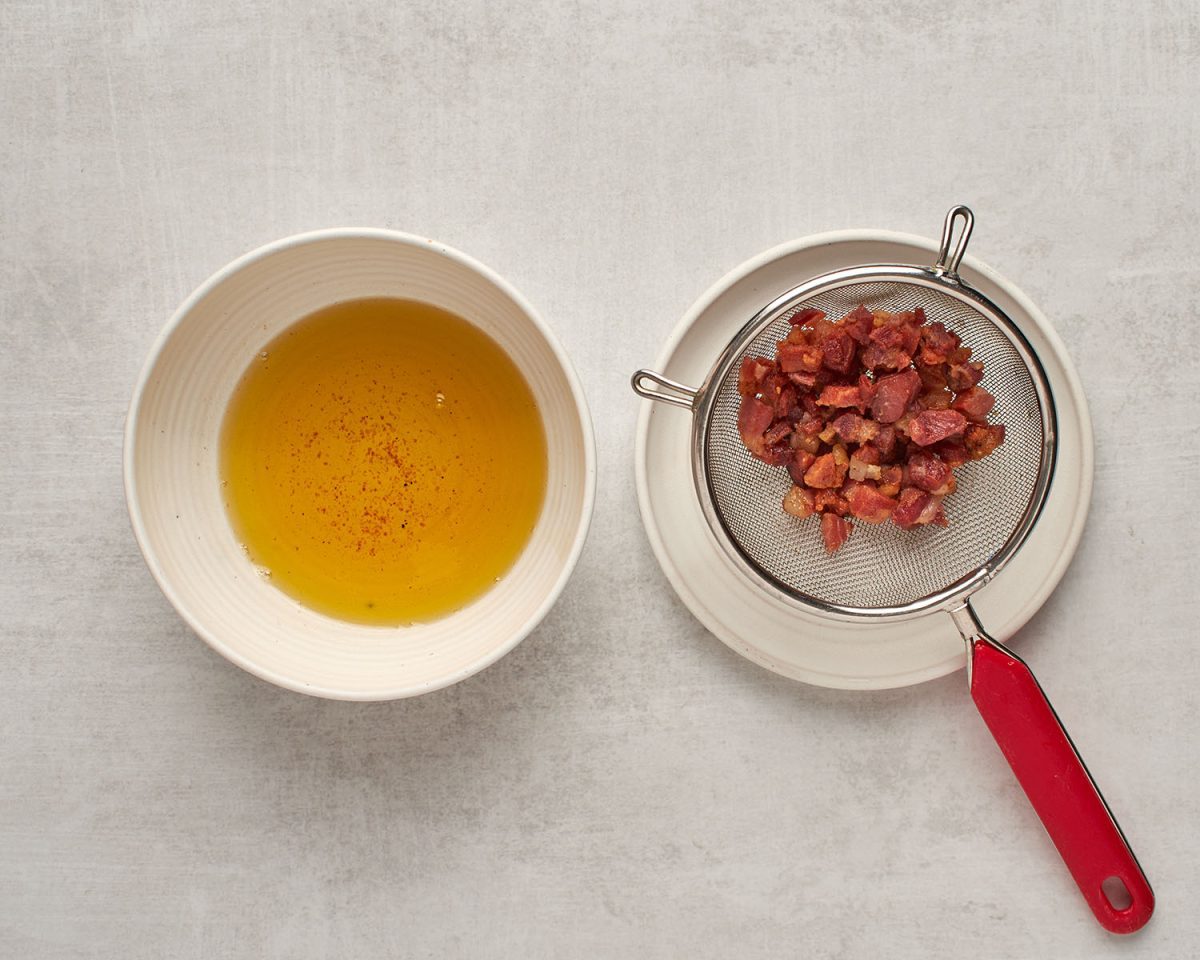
{"type": "Point", "coordinates": [947, 262]}
{"type": "Point", "coordinates": [1116, 893]}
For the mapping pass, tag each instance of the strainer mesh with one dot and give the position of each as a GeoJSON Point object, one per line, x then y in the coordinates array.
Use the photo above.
{"type": "Point", "coordinates": [882, 566]}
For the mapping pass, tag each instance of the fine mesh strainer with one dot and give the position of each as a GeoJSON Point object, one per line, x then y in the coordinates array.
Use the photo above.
{"type": "Point", "coordinates": [885, 573]}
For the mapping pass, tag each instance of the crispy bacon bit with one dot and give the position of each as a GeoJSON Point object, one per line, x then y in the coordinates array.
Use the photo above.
{"type": "Point", "coordinates": [831, 501]}
{"type": "Point", "coordinates": [930, 426]}
{"type": "Point", "coordinates": [799, 464]}
{"type": "Point", "coordinates": [916, 509]}
{"type": "Point", "coordinates": [933, 513]}
{"type": "Point", "coordinates": [778, 431]}
{"type": "Point", "coordinates": [859, 323]}
{"type": "Point", "coordinates": [809, 444]}
{"type": "Point", "coordinates": [868, 453]}
{"type": "Point", "coordinates": [823, 474]}
{"type": "Point", "coordinates": [886, 443]}
{"type": "Point", "coordinates": [855, 429]}
{"type": "Point", "coordinates": [841, 461]}
{"type": "Point", "coordinates": [981, 440]}
{"type": "Point", "coordinates": [799, 357]}
{"type": "Point", "coordinates": [799, 502]}
{"type": "Point", "coordinates": [835, 531]}
{"type": "Point", "coordinates": [754, 417]}
{"type": "Point", "coordinates": [868, 504]}
{"type": "Point", "coordinates": [866, 391]}
{"type": "Point", "coordinates": [870, 415]}
{"type": "Point", "coordinates": [777, 455]}
{"type": "Point", "coordinates": [963, 376]}
{"type": "Point", "coordinates": [838, 351]}
{"type": "Point", "coordinates": [892, 343]}
{"type": "Point", "coordinates": [839, 395]}
{"type": "Point", "coordinates": [938, 399]}
{"type": "Point", "coordinates": [751, 374]}
{"type": "Point", "coordinates": [899, 331]}
{"type": "Point", "coordinates": [877, 357]}
{"type": "Point", "coordinates": [861, 470]}
{"type": "Point", "coordinates": [890, 479]}
{"type": "Point", "coordinates": [929, 472]}
{"type": "Point", "coordinates": [893, 394]}
{"type": "Point", "coordinates": [865, 463]}
{"type": "Point", "coordinates": [809, 315]}
{"type": "Point", "coordinates": [937, 344]}
{"type": "Point", "coordinates": [808, 425]}
{"type": "Point", "coordinates": [975, 404]}
{"type": "Point", "coordinates": [932, 377]}
{"type": "Point", "coordinates": [953, 452]}
{"type": "Point", "coordinates": [772, 383]}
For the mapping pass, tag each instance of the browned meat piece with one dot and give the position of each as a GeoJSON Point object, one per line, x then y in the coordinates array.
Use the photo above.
{"type": "Point", "coordinates": [839, 395]}
{"type": "Point", "coordinates": [980, 440]}
{"type": "Point", "coordinates": [975, 404]}
{"type": "Point", "coordinates": [867, 503]}
{"type": "Point", "coordinates": [893, 394]}
{"type": "Point", "coordinates": [930, 472]}
{"type": "Point", "coordinates": [799, 358]}
{"type": "Point", "coordinates": [751, 374]}
{"type": "Point", "coordinates": [835, 531]}
{"type": "Point", "coordinates": [859, 323]}
{"type": "Point", "coordinates": [886, 443]}
{"type": "Point", "coordinates": [799, 502]}
{"type": "Point", "coordinates": [963, 376]}
{"type": "Point", "coordinates": [799, 464]}
{"type": "Point", "coordinates": [918, 508]}
{"type": "Point", "coordinates": [937, 399]}
{"type": "Point", "coordinates": [852, 428]}
{"type": "Point", "coordinates": [890, 480]}
{"type": "Point", "coordinates": [823, 474]}
{"type": "Point", "coordinates": [754, 417]}
{"type": "Point", "coordinates": [838, 351]}
{"type": "Point", "coordinates": [930, 426]}
{"type": "Point", "coordinates": [831, 501]}
{"type": "Point", "coordinates": [937, 344]}
{"type": "Point", "coordinates": [809, 315]}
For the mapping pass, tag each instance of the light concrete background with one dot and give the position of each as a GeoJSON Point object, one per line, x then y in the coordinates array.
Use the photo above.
{"type": "Point", "coordinates": [622, 785]}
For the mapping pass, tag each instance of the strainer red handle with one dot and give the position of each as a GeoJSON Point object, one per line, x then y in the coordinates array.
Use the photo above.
{"type": "Point", "coordinates": [1059, 786]}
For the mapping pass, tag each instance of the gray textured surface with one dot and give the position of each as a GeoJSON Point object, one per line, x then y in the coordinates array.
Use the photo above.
{"type": "Point", "coordinates": [622, 784]}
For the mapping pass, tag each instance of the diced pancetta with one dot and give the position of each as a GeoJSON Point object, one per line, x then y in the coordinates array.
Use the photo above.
{"type": "Point", "coordinates": [930, 426]}
{"type": "Point", "coordinates": [834, 531]}
{"type": "Point", "coordinates": [870, 415]}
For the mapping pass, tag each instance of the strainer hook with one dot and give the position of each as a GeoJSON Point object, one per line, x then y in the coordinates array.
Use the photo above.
{"type": "Point", "coordinates": [664, 389]}
{"type": "Point", "coordinates": [949, 267]}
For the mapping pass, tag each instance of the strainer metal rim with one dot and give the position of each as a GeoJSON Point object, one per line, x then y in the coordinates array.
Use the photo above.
{"type": "Point", "coordinates": [702, 399]}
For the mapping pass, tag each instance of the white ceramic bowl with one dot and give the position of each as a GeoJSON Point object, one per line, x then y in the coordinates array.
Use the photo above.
{"type": "Point", "coordinates": [173, 488]}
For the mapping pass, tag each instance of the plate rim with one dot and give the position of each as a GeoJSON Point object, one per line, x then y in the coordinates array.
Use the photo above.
{"type": "Point", "coordinates": [701, 611]}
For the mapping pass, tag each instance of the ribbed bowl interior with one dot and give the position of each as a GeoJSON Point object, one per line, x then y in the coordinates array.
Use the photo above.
{"type": "Point", "coordinates": [173, 485]}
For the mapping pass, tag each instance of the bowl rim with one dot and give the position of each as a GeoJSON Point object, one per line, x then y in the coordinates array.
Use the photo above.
{"type": "Point", "coordinates": [145, 544]}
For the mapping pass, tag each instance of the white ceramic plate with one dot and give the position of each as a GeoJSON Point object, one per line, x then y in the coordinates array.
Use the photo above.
{"type": "Point", "coordinates": [805, 646]}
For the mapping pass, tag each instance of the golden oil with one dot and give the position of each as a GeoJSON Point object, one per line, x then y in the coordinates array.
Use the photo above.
{"type": "Point", "coordinates": [384, 460]}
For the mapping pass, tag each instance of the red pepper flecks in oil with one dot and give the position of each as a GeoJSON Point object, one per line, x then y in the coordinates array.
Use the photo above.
{"type": "Point", "coordinates": [384, 460]}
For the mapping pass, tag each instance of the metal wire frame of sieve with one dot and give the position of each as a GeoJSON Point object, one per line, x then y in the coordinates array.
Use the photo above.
{"type": "Point", "coordinates": [882, 566]}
